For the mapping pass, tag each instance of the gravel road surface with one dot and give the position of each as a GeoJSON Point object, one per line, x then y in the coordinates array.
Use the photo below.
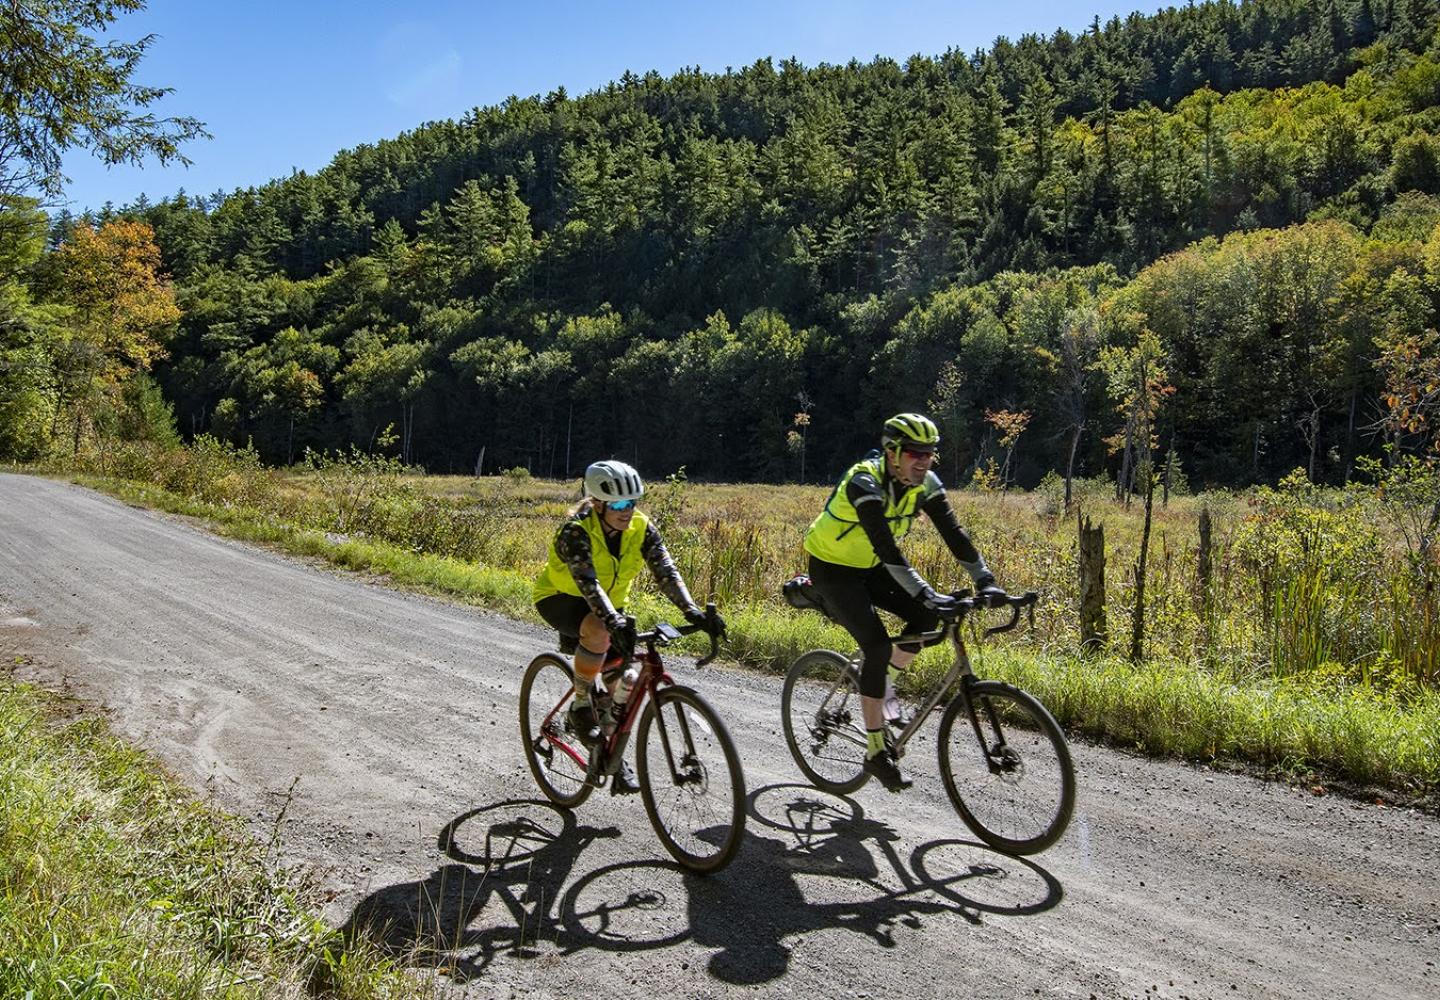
{"type": "Point", "coordinates": [388, 723]}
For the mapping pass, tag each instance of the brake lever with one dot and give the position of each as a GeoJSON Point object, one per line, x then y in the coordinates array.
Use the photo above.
{"type": "Point", "coordinates": [714, 651]}
{"type": "Point", "coordinates": [711, 612]}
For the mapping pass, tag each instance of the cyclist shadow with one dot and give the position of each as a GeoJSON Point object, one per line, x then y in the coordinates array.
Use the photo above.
{"type": "Point", "coordinates": [518, 853]}
{"type": "Point", "coordinates": [749, 911]}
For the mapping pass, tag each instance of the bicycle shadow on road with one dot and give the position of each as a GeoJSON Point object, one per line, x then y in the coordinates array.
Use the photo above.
{"type": "Point", "coordinates": [748, 911]}
{"type": "Point", "coordinates": [518, 853]}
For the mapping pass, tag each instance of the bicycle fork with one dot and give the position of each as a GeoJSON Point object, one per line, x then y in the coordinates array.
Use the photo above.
{"type": "Point", "coordinates": [685, 770]}
{"type": "Point", "coordinates": [999, 758]}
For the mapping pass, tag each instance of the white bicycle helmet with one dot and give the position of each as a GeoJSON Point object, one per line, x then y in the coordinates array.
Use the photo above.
{"type": "Point", "coordinates": [611, 480]}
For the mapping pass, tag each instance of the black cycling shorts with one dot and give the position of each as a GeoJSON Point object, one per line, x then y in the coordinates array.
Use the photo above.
{"type": "Point", "coordinates": [851, 596]}
{"type": "Point", "coordinates": [564, 613]}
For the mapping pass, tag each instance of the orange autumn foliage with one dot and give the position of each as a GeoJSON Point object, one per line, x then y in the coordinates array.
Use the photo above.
{"type": "Point", "coordinates": [124, 308]}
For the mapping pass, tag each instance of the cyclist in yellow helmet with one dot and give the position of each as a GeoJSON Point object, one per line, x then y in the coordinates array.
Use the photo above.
{"type": "Point", "coordinates": [856, 566]}
{"type": "Point", "coordinates": [594, 558]}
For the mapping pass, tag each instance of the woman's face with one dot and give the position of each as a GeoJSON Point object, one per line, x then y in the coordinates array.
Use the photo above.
{"type": "Point", "coordinates": [617, 520]}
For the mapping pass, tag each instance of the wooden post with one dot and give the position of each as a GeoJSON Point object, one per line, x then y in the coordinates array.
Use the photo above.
{"type": "Point", "coordinates": [1092, 586]}
{"type": "Point", "coordinates": [1137, 631]}
{"type": "Point", "coordinates": [1203, 576]}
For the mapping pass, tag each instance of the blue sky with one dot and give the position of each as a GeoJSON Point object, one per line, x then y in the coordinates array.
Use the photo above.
{"type": "Point", "coordinates": [287, 85]}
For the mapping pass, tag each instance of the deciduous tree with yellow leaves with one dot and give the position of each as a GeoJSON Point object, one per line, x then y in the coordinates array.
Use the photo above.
{"type": "Point", "coordinates": [122, 312]}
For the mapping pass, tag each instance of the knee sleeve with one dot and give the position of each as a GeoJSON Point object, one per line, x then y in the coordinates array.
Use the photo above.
{"type": "Point", "coordinates": [872, 673]}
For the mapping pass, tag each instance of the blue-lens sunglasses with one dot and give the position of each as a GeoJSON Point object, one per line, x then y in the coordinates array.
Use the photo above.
{"type": "Point", "coordinates": [620, 504]}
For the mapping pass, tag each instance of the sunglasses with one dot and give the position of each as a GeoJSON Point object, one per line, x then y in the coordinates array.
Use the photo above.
{"type": "Point", "coordinates": [621, 505]}
{"type": "Point", "coordinates": [916, 454]}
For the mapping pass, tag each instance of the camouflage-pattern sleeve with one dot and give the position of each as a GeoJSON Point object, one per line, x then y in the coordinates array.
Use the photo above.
{"type": "Point", "coordinates": [667, 574]}
{"type": "Point", "coordinates": [572, 545]}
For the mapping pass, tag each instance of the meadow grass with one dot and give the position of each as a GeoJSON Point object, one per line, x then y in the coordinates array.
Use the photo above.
{"type": "Point", "coordinates": [1308, 649]}
{"type": "Point", "coordinates": [117, 882]}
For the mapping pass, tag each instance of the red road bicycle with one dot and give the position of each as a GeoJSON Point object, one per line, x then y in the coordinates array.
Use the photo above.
{"type": "Point", "coordinates": [689, 770]}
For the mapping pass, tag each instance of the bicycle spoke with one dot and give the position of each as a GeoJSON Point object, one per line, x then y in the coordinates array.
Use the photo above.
{"type": "Point", "coordinates": [555, 755]}
{"type": "Point", "coordinates": [1015, 787]}
{"type": "Point", "coordinates": [691, 779]}
{"type": "Point", "coordinates": [820, 708]}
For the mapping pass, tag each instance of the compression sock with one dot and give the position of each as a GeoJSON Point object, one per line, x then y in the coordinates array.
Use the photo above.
{"type": "Point", "coordinates": [874, 741]}
{"type": "Point", "coordinates": [587, 667]}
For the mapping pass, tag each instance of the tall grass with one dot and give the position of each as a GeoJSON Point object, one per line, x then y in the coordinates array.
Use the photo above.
{"type": "Point", "coordinates": [115, 882]}
{"type": "Point", "coordinates": [1318, 589]}
{"type": "Point", "coordinates": [1189, 712]}
{"type": "Point", "coordinates": [1304, 580]}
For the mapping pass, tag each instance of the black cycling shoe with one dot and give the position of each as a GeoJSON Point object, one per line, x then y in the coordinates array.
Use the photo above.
{"type": "Point", "coordinates": [884, 768]}
{"type": "Point", "coordinates": [583, 723]}
{"type": "Point", "coordinates": [624, 782]}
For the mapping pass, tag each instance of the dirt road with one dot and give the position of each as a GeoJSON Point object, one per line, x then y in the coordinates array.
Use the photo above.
{"type": "Point", "coordinates": [245, 671]}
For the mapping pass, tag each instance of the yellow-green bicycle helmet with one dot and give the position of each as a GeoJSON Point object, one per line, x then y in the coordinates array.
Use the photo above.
{"type": "Point", "coordinates": [911, 430]}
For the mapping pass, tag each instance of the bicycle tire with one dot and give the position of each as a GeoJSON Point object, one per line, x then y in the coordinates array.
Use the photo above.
{"type": "Point", "coordinates": [829, 750]}
{"type": "Point", "coordinates": [1023, 803]}
{"type": "Point", "coordinates": [708, 827]}
{"type": "Point", "coordinates": [549, 749]}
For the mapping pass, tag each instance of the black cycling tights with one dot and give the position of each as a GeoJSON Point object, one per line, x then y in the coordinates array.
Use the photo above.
{"type": "Point", "coordinates": [852, 595]}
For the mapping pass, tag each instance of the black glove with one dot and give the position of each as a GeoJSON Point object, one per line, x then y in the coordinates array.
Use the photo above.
{"type": "Point", "coordinates": [941, 603]}
{"type": "Point", "coordinates": [622, 633]}
{"type": "Point", "coordinates": [710, 624]}
{"type": "Point", "coordinates": [991, 594]}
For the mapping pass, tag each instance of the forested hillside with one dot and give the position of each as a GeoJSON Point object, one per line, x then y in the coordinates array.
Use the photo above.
{"type": "Point", "coordinates": [743, 272]}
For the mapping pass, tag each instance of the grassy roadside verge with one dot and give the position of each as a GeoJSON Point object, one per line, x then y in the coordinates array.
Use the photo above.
{"type": "Point", "coordinates": [116, 882]}
{"type": "Point", "coordinates": [1293, 727]}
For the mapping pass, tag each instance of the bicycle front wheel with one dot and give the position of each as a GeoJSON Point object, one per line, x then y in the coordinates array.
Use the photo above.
{"type": "Point", "coordinates": [556, 756]}
{"type": "Point", "coordinates": [1015, 785]}
{"type": "Point", "coordinates": [690, 779]}
{"type": "Point", "coordinates": [820, 710]}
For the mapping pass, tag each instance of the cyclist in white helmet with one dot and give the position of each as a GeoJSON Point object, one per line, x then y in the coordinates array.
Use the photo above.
{"type": "Point", "coordinates": [594, 559]}
{"type": "Point", "coordinates": [856, 566]}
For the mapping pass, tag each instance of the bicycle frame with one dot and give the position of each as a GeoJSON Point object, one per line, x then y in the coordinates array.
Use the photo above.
{"type": "Point", "coordinates": [651, 679]}
{"type": "Point", "coordinates": [960, 670]}
{"type": "Point", "coordinates": [960, 673]}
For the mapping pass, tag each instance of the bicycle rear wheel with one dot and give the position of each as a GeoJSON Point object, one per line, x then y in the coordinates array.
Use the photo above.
{"type": "Point", "coordinates": [556, 757]}
{"type": "Point", "coordinates": [690, 779]}
{"type": "Point", "coordinates": [820, 710]}
{"type": "Point", "coordinates": [1015, 788]}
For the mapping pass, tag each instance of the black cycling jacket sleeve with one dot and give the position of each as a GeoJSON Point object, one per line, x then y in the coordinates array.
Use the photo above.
{"type": "Point", "coordinates": [942, 515]}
